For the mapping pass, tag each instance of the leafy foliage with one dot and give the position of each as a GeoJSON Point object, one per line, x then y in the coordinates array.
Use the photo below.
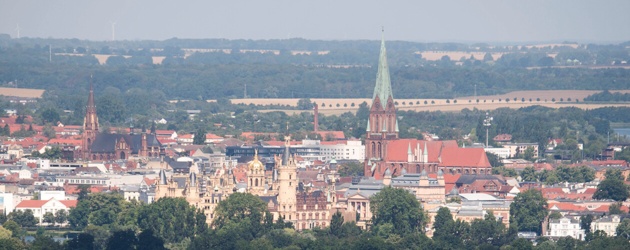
{"type": "Point", "coordinates": [171, 219]}
{"type": "Point", "coordinates": [528, 210]}
{"type": "Point", "coordinates": [612, 187]}
{"type": "Point", "coordinates": [398, 208]}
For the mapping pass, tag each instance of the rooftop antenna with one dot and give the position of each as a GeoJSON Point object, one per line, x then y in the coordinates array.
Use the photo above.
{"type": "Point", "coordinates": [113, 31]}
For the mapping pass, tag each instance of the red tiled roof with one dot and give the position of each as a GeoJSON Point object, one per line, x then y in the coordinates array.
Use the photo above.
{"type": "Point", "coordinates": [333, 134]}
{"type": "Point", "coordinates": [464, 157]}
{"type": "Point", "coordinates": [565, 206]}
{"type": "Point", "coordinates": [212, 136]}
{"type": "Point", "coordinates": [606, 209]}
{"type": "Point", "coordinates": [397, 149]}
{"type": "Point", "coordinates": [69, 203]}
{"type": "Point", "coordinates": [65, 141]}
{"type": "Point", "coordinates": [502, 137]}
{"type": "Point", "coordinates": [31, 203]}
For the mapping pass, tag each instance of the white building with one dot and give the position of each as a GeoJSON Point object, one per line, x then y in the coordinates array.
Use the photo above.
{"type": "Point", "coordinates": [608, 224]}
{"type": "Point", "coordinates": [502, 153]}
{"type": "Point", "coordinates": [41, 207]}
{"type": "Point", "coordinates": [339, 150]}
{"type": "Point", "coordinates": [565, 227]}
{"type": "Point", "coordinates": [519, 149]}
{"type": "Point", "coordinates": [7, 203]}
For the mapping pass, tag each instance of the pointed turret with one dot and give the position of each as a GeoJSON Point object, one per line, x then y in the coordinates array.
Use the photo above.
{"type": "Point", "coordinates": [425, 153]}
{"type": "Point", "coordinates": [90, 124]}
{"type": "Point", "coordinates": [285, 156]}
{"type": "Point", "coordinates": [162, 177]}
{"type": "Point", "coordinates": [193, 179]}
{"type": "Point", "coordinates": [383, 88]}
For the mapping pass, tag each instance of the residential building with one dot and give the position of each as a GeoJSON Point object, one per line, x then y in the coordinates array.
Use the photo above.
{"type": "Point", "coordinates": [41, 207]}
{"type": "Point", "coordinates": [608, 224]}
{"type": "Point", "coordinates": [564, 227]}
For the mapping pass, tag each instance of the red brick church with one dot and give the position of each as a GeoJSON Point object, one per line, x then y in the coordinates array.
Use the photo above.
{"type": "Point", "coordinates": [106, 146]}
{"type": "Point", "coordinates": [385, 150]}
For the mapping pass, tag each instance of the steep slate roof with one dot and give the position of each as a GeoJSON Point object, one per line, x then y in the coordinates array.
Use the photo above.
{"type": "Point", "coordinates": [383, 87]}
{"type": "Point", "coordinates": [105, 143]}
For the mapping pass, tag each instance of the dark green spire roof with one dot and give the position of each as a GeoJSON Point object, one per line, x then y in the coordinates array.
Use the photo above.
{"type": "Point", "coordinates": [383, 88]}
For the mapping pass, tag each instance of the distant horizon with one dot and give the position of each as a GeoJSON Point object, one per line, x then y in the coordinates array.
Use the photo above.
{"type": "Point", "coordinates": [461, 21]}
{"type": "Point", "coordinates": [469, 42]}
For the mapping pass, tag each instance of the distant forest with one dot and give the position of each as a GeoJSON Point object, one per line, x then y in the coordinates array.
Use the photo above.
{"type": "Point", "coordinates": [345, 70]}
{"type": "Point", "coordinates": [130, 89]}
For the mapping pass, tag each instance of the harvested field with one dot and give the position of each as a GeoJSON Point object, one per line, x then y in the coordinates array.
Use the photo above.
{"type": "Point", "coordinates": [460, 107]}
{"type": "Point", "coordinates": [537, 98]}
{"type": "Point", "coordinates": [23, 93]}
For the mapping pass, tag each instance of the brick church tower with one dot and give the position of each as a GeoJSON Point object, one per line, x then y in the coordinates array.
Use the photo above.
{"type": "Point", "coordinates": [382, 126]}
{"type": "Point", "coordinates": [90, 126]}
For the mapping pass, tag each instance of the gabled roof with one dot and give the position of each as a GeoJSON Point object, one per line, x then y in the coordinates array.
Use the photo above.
{"type": "Point", "coordinates": [464, 157]}
{"type": "Point", "coordinates": [397, 149]}
{"type": "Point", "coordinates": [105, 143]}
{"type": "Point", "coordinates": [41, 203]}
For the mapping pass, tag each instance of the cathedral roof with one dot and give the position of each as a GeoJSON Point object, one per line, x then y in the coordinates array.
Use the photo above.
{"type": "Point", "coordinates": [383, 88]}
{"type": "Point", "coordinates": [397, 149]}
{"type": "Point", "coordinates": [106, 143]}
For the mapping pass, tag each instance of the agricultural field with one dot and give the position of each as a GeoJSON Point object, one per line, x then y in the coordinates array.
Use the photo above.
{"type": "Point", "coordinates": [547, 98]}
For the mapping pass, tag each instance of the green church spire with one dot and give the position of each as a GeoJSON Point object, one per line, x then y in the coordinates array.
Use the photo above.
{"type": "Point", "coordinates": [383, 88]}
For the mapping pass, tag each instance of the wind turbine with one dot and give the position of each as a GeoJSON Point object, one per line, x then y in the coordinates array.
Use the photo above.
{"type": "Point", "coordinates": [113, 31]}
{"type": "Point", "coordinates": [17, 28]}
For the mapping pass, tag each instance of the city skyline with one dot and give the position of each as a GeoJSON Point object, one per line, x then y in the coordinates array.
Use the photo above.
{"type": "Point", "coordinates": [428, 21]}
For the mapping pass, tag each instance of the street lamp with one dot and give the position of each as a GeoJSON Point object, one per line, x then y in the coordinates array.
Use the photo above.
{"type": "Point", "coordinates": [486, 123]}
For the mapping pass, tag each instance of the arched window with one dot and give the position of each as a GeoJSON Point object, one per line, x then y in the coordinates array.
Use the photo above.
{"type": "Point", "coordinates": [380, 151]}
{"type": "Point", "coordinates": [373, 149]}
{"type": "Point", "coordinates": [256, 182]}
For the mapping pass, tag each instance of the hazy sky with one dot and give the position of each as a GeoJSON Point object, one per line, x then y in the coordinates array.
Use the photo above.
{"type": "Point", "coordinates": [411, 20]}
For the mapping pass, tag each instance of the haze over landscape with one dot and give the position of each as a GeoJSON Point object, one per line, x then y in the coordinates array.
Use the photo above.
{"type": "Point", "coordinates": [421, 21]}
{"type": "Point", "coordinates": [498, 124]}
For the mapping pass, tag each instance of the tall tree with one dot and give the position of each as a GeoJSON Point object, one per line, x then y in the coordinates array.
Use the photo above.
{"type": "Point", "coordinates": [237, 208]}
{"type": "Point", "coordinates": [122, 240]}
{"type": "Point", "coordinates": [399, 208]}
{"type": "Point", "coordinates": [528, 210]}
{"type": "Point", "coordinates": [336, 223]}
{"type": "Point", "coordinates": [200, 137]}
{"type": "Point", "coordinates": [171, 219]}
{"type": "Point", "coordinates": [612, 187]}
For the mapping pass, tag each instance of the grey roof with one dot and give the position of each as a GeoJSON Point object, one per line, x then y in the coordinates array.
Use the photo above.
{"type": "Point", "coordinates": [266, 199]}
{"type": "Point", "coordinates": [468, 179]}
{"type": "Point", "coordinates": [181, 181]}
{"type": "Point", "coordinates": [162, 177]}
{"type": "Point", "coordinates": [106, 143]}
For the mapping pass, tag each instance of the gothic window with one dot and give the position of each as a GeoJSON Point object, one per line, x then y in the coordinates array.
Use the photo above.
{"type": "Point", "coordinates": [373, 149]}
{"type": "Point", "coordinates": [418, 168]}
{"type": "Point", "coordinates": [380, 152]}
